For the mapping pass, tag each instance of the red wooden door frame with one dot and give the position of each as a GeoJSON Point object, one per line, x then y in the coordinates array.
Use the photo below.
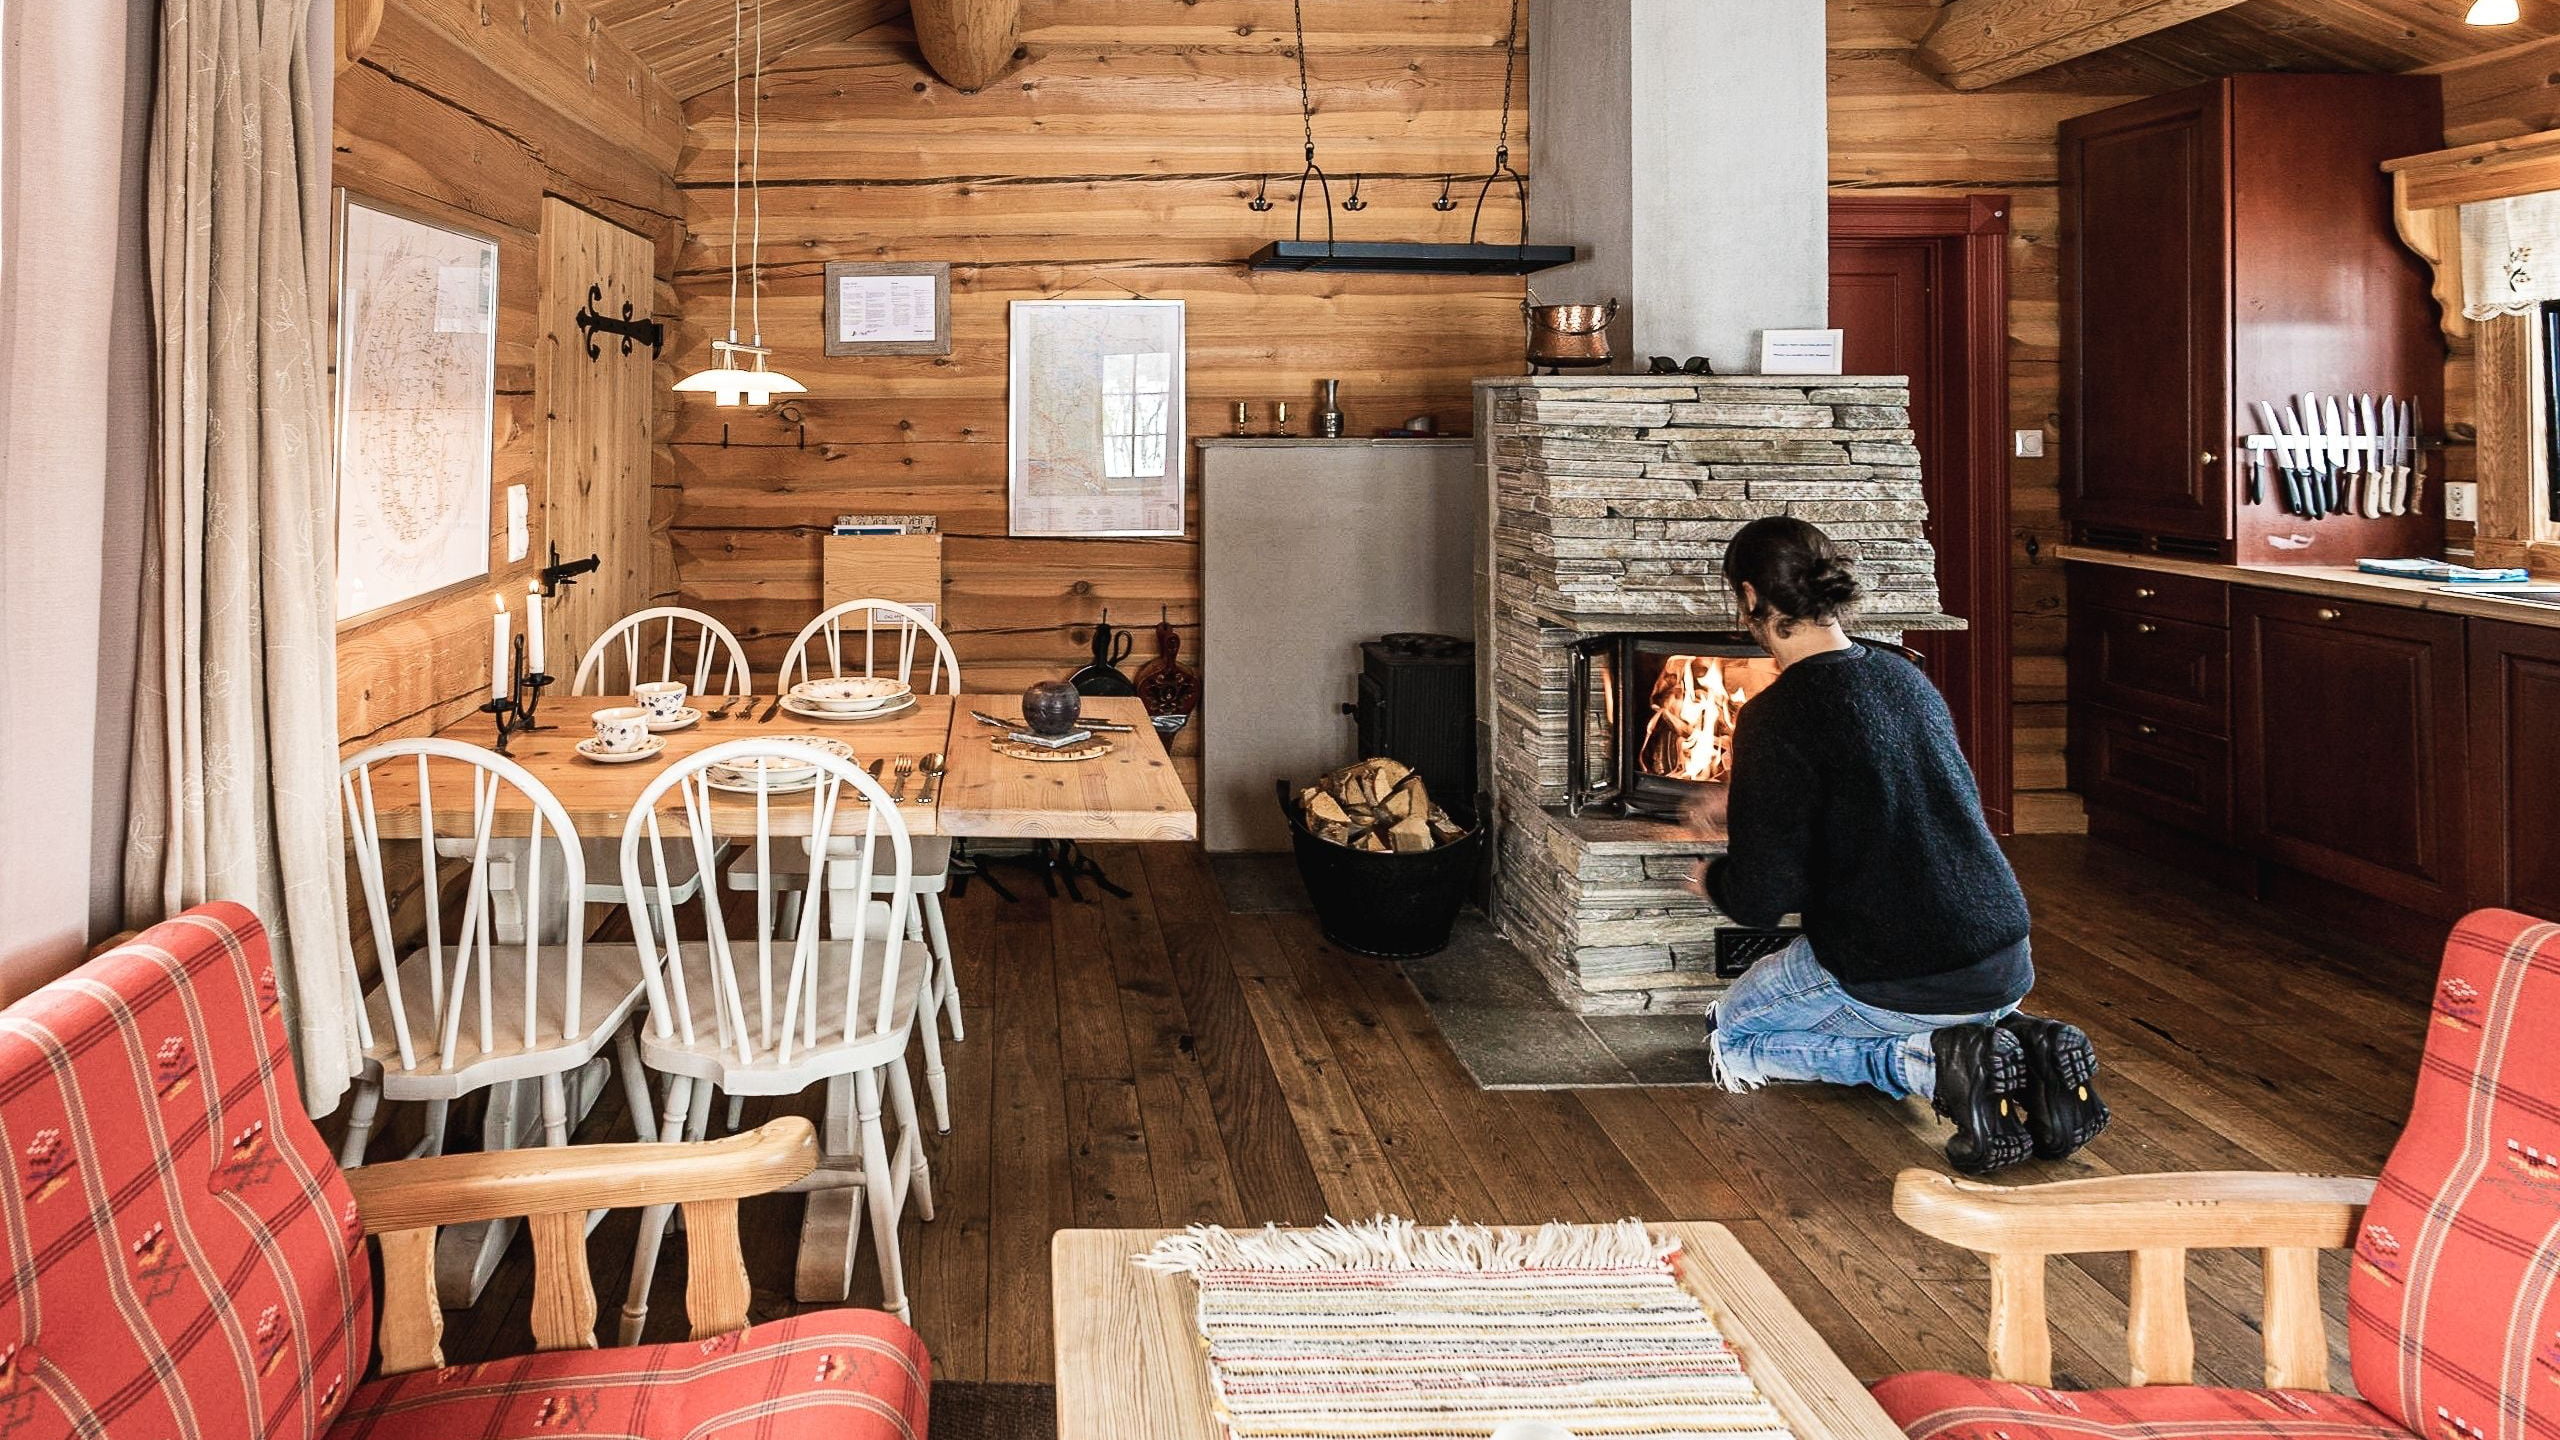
{"type": "Point", "coordinates": [1972, 318]}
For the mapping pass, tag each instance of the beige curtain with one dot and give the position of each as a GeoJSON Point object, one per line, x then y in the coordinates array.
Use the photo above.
{"type": "Point", "coordinates": [75, 343]}
{"type": "Point", "coordinates": [235, 747]}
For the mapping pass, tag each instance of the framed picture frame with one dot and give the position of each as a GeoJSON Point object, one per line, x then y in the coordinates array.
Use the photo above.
{"type": "Point", "coordinates": [416, 394]}
{"type": "Point", "coordinates": [1095, 436]}
{"type": "Point", "coordinates": [888, 307]}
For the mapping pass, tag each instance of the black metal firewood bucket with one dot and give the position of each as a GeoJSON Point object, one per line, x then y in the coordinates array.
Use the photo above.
{"type": "Point", "coordinates": [1395, 907]}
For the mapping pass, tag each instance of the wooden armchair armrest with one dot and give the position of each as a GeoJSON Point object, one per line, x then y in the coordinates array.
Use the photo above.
{"type": "Point", "coordinates": [2289, 1218]}
{"type": "Point", "coordinates": [402, 1202]}
{"type": "Point", "coordinates": [2206, 1210]}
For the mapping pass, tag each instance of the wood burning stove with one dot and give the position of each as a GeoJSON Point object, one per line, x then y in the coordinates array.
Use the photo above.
{"type": "Point", "coordinates": [1651, 716]}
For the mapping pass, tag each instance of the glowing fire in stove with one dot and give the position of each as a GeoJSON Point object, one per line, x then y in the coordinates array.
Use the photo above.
{"type": "Point", "coordinates": [1690, 736]}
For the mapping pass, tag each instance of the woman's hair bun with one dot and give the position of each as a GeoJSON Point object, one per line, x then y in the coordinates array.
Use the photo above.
{"type": "Point", "coordinates": [1796, 571]}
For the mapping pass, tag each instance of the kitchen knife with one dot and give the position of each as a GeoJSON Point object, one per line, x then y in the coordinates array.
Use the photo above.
{"type": "Point", "coordinates": [2280, 456]}
{"type": "Point", "coordinates": [2369, 420]}
{"type": "Point", "coordinates": [2298, 475]}
{"type": "Point", "coordinates": [2350, 440]}
{"type": "Point", "coordinates": [2315, 482]}
{"type": "Point", "coordinates": [2334, 432]}
{"type": "Point", "coordinates": [2417, 504]}
{"type": "Point", "coordinates": [2396, 418]}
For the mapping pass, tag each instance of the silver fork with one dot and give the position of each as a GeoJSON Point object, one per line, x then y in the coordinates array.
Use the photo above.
{"type": "Point", "coordinates": [902, 767]}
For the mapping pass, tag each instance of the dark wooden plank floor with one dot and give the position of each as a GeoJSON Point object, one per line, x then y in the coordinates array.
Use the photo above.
{"type": "Point", "coordinates": [1156, 1061]}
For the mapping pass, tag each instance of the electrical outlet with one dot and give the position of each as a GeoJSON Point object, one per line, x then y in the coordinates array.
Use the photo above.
{"type": "Point", "coordinates": [519, 529]}
{"type": "Point", "coordinates": [2461, 501]}
{"type": "Point", "coordinates": [2030, 444]}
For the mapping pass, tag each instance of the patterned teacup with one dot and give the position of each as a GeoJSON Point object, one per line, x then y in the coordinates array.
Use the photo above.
{"type": "Point", "coordinates": [661, 698]}
{"type": "Point", "coordinates": [621, 729]}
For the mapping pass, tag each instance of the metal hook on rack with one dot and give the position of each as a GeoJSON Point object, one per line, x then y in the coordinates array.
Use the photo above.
{"type": "Point", "coordinates": [1355, 204]}
{"type": "Point", "coordinates": [1261, 200]}
{"type": "Point", "coordinates": [1445, 204]}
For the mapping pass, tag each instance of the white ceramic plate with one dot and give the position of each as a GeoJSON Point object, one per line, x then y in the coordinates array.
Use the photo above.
{"type": "Point", "coordinates": [740, 785]}
{"type": "Point", "coordinates": [592, 751]}
{"type": "Point", "coordinates": [793, 704]}
{"type": "Point", "coordinates": [851, 694]}
{"type": "Point", "coordinates": [678, 721]}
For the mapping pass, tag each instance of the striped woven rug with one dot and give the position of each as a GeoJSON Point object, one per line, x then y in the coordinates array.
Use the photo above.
{"type": "Point", "coordinates": [1390, 1329]}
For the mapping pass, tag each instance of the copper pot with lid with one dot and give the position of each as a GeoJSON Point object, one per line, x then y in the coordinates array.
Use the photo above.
{"type": "Point", "coordinates": [1568, 336]}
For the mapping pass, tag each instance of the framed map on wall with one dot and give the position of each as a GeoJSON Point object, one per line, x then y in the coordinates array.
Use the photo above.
{"type": "Point", "coordinates": [1094, 437]}
{"type": "Point", "coordinates": [417, 394]}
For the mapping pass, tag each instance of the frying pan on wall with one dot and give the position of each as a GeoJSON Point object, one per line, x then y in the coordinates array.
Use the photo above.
{"type": "Point", "coordinates": [1104, 676]}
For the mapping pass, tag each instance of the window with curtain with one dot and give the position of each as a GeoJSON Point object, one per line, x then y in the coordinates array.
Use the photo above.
{"type": "Point", "coordinates": [1136, 395]}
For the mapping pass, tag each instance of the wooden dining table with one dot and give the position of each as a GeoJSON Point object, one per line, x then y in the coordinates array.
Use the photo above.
{"type": "Point", "coordinates": [1129, 794]}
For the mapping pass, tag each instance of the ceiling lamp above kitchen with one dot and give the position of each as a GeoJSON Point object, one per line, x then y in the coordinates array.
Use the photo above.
{"type": "Point", "coordinates": [732, 382]}
{"type": "Point", "coordinates": [2493, 12]}
{"type": "Point", "coordinates": [1409, 257]}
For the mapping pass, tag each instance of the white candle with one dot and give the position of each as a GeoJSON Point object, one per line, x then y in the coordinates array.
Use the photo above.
{"type": "Point", "coordinates": [500, 676]}
{"type": "Point", "coordinates": [533, 628]}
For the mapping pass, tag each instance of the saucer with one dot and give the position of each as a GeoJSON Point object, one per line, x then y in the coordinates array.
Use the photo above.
{"type": "Point", "coordinates": [682, 718]}
{"type": "Point", "coordinates": [589, 749]}
{"type": "Point", "coordinates": [794, 705]}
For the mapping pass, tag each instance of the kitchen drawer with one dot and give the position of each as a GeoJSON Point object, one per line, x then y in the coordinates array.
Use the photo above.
{"type": "Point", "coordinates": [2149, 592]}
{"type": "Point", "coordinates": [2168, 670]}
{"type": "Point", "coordinates": [2174, 775]}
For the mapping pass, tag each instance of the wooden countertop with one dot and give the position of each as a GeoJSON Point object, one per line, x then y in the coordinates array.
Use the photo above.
{"type": "Point", "coordinates": [2334, 582]}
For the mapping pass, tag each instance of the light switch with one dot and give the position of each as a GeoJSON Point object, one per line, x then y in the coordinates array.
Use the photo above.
{"type": "Point", "coordinates": [519, 534]}
{"type": "Point", "coordinates": [2030, 445]}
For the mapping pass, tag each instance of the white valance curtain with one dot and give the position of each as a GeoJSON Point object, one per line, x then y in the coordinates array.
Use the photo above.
{"type": "Point", "coordinates": [235, 747]}
{"type": "Point", "coordinates": [2510, 255]}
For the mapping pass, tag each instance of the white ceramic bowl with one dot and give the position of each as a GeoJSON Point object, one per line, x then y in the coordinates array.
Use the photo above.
{"type": "Point", "coordinates": [851, 694]}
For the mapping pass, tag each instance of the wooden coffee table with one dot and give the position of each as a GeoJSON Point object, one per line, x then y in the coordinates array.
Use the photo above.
{"type": "Point", "coordinates": [1131, 1365]}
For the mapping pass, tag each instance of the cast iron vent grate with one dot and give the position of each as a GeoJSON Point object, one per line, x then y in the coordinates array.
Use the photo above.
{"type": "Point", "coordinates": [1738, 947]}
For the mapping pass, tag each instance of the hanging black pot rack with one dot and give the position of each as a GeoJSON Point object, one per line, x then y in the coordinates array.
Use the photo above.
{"type": "Point", "coordinates": [1407, 257]}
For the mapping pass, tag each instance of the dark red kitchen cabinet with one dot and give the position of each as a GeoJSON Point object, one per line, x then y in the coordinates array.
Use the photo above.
{"type": "Point", "coordinates": [2351, 742]}
{"type": "Point", "coordinates": [2226, 244]}
{"type": "Point", "coordinates": [2515, 766]}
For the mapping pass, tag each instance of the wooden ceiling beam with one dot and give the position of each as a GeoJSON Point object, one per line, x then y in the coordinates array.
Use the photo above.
{"type": "Point", "coordinates": [1978, 43]}
{"type": "Point", "coordinates": [687, 41]}
{"type": "Point", "coordinates": [967, 42]}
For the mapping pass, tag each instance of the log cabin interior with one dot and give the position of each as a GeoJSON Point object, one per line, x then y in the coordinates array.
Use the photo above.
{"type": "Point", "coordinates": [664, 778]}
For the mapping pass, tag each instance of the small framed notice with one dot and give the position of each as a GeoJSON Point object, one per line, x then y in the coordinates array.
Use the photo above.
{"type": "Point", "coordinates": [888, 308]}
{"type": "Point", "coordinates": [1799, 352]}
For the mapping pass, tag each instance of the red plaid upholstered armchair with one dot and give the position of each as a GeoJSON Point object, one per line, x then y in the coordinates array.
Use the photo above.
{"type": "Point", "coordinates": [2453, 1308]}
{"type": "Point", "coordinates": [186, 1259]}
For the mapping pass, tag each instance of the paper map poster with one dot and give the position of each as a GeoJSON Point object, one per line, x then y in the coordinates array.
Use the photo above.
{"type": "Point", "coordinates": [884, 308]}
{"type": "Point", "coordinates": [1096, 442]}
{"type": "Point", "coordinates": [417, 380]}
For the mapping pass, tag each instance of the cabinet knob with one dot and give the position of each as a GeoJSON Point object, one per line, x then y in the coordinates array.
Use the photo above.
{"type": "Point", "coordinates": [2145, 592]}
{"type": "Point", "coordinates": [2145, 627]}
{"type": "Point", "coordinates": [2146, 729]}
{"type": "Point", "coordinates": [2207, 458]}
{"type": "Point", "coordinates": [2327, 613]}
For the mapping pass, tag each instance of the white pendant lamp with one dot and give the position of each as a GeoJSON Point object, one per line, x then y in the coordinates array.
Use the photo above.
{"type": "Point", "coordinates": [741, 377]}
{"type": "Point", "coordinates": [2493, 12]}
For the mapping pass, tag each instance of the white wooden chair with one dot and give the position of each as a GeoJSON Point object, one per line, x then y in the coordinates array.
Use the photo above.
{"type": "Point", "coordinates": [754, 1011]}
{"type": "Point", "coordinates": [667, 642]}
{"type": "Point", "coordinates": [445, 1019]}
{"type": "Point", "coordinates": [891, 639]}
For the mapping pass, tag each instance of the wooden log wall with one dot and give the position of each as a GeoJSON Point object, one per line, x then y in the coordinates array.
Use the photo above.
{"type": "Point", "coordinates": [472, 111]}
{"type": "Point", "coordinates": [1895, 129]}
{"type": "Point", "coordinates": [1116, 158]}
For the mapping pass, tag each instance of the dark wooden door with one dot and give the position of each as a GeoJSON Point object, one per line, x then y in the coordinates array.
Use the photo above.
{"type": "Point", "coordinates": [1918, 289]}
{"type": "Point", "coordinates": [2146, 282]}
{"type": "Point", "coordinates": [2352, 737]}
{"type": "Point", "coordinates": [2515, 766]}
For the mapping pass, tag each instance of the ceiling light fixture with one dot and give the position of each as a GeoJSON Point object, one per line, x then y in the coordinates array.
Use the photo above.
{"type": "Point", "coordinates": [2493, 12]}
{"type": "Point", "coordinates": [731, 382]}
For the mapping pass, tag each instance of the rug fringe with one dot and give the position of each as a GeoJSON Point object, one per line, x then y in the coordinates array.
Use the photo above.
{"type": "Point", "coordinates": [1390, 1242]}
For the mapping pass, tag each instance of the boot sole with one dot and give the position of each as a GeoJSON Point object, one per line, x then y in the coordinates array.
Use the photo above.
{"type": "Point", "coordinates": [2005, 1141]}
{"type": "Point", "coordinates": [2060, 1092]}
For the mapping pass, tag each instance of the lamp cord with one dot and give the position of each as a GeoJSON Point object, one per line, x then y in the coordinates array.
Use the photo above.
{"type": "Point", "coordinates": [755, 253]}
{"type": "Point", "coordinates": [737, 141]}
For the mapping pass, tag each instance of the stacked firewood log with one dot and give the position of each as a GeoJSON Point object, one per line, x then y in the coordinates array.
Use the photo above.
{"type": "Point", "coordinates": [1380, 806]}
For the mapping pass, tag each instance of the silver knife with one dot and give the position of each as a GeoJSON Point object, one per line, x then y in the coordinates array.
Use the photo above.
{"type": "Point", "coordinates": [2371, 459]}
{"type": "Point", "coordinates": [2417, 504]}
{"type": "Point", "coordinates": [2306, 423]}
{"type": "Point", "coordinates": [2395, 418]}
{"type": "Point", "coordinates": [2281, 455]}
{"type": "Point", "coordinates": [2335, 429]}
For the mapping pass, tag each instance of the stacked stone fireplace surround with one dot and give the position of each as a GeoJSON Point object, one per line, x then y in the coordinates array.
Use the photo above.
{"type": "Point", "coordinates": [1612, 498]}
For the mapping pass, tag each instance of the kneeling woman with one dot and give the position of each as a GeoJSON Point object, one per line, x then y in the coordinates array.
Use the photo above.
{"type": "Point", "coordinates": [1852, 807]}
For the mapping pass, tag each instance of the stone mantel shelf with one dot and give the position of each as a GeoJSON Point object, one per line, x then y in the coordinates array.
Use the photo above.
{"type": "Point", "coordinates": [1714, 609]}
{"type": "Point", "coordinates": [1326, 442]}
{"type": "Point", "coordinates": [1606, 380]}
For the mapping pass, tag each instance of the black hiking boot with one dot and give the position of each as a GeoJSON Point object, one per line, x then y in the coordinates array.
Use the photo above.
{"type": "Point", "coordinates": [1981, 1068]}
{"type": "Point", "coordinates": [2060, 1095]}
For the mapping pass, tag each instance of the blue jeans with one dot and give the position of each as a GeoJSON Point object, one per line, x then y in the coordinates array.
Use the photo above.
{"type": "Point", "coordinates": [1788, 1019]}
